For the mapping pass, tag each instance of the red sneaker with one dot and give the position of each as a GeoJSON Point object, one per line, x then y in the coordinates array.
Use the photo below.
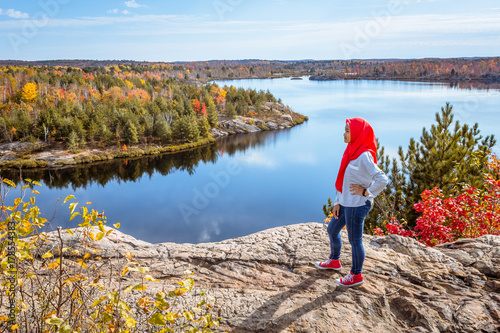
{"type": "Point", "coordinates": [350, 280]}
{"type": "Point", "coordinates": [330, 264]}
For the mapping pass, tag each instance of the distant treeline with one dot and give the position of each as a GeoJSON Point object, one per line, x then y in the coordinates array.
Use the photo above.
{"type": "Point", "coordinates": [125, 104]}
{"type": "Point", "coordinates": [479, 69]}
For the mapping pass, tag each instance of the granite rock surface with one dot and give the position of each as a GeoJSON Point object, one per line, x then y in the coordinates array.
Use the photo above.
{"type": "Point", "coordinates": [267, 282]}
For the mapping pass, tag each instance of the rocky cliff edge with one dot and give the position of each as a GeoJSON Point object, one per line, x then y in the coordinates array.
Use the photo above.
{"type": "Point", "coordinates": [267, 282]}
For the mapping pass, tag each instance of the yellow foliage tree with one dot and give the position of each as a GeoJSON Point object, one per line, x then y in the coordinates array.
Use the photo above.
{"type": "Point", "coordinates": [113, 93]}
{"type": "Point", "coordinates": [30, 92]}
{"type": "Point", "coordinates": [129, 84]}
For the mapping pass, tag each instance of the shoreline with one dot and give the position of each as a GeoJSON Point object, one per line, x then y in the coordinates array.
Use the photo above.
{"type": "Point", "coordinates": [355, 77]}
{"type": "Point", "coordinates": [435, 80]}
{"type": "Point", "coordinates": [25, 155]}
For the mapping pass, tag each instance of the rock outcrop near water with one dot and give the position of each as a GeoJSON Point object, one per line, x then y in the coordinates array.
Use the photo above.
{"type": "Point", "coordinates": [281, 118]}
{"type": "Point", "coordinates": [266, 282]}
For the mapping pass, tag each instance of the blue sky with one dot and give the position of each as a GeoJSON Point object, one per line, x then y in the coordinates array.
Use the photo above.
{"type": "Point", "coordinates": [184, 30]}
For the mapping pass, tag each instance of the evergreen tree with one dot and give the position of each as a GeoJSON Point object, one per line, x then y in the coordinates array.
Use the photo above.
{"type": "Point", "coordinates": [104, 133]}
{"type": "Point", "coordinates": [188, 108]}
{"type": "Point", "coordinates": [193, 133]}
{"type": "Point", "coordinates": [203, 127]}
{"type": "Point", "coordinates": [93, 130]}
{"type": "Point", "coordinates": [130, 133]}
{"type": "Point", "coordinates": [179, 128]}
{"type": "Point", "coordinates": [179, 108]}
{"type": "Point", "coordinates": [162, 130]}
{"type": "Point", "coordinates": [444, 157]}
{"type": "Point", "coordinates": [390, 202]}
{"type": "Point", "coordinates": [23, 124]}
{"type": "Point", "coordinates": [73, 141]}
{"type": "Point", "coordinates": [162, 105]}
{"type": "Point", "coordinates": [45, 121]}
{"type": "Point", "coordinates": [230, 111]}
{"type": "Point", "coordinates": [76, 126]}
{"type": "Point", "coordinates": [212, 114]}
{"type": "Point", "coordinates": [147, 124]}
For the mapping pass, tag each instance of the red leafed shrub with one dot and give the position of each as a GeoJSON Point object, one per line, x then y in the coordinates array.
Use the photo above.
{"type": "Point", "coordinates": [433, 226]}
{"type": "Point", "coordinates": [394, 227]}
{"type": "Point", "coordinates": [199, 107]}
{"type": "Point", "coordinates": [471, 213]}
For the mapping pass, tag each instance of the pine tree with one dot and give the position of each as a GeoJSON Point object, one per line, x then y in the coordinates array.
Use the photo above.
{"type": "Point", "coordinates": [23, 124]}
{"type": "Point", "coordinates": [162, 130]}
{"type": "Point", "coordinates": [212, 114]}
{"type": "Point", "coordinates": [444, 157]}
{"type": "Point", "coordinates": [104, 133]}
{"type": "Point", "coordinates": [193, 133]}
{"type": "Point", "coordinates": [77, 127]}
{"type": "Point", "coordinates": [388, 203]}
{"type": "Point", "coordinates": [130, 133]}
{"type": "Point", "coordinates": [179, 108]}
{"type": "Point", "coordinates": [179, 128]}
{"type": "Point", "coordinates": [93, 130]}
{"type": "Point", "coordinates": [73, 140]}
{"type": "Point", "coordinates": [203, 127]}
{"type": "Point", "coordinates": [230, 111]}
{"type": "Point", "coordinates": [188, 108]}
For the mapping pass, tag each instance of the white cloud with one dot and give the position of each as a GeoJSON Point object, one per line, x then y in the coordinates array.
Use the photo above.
{"type": "Point", "coordinates": [83, 22]}
{"type": "Point", "coordinates": [116, 11]}
{"type": "Point", "coordinates": [14, 13]}
{"type": "Point", "coordinates": [399, 26]}
{"type": "Point", "coordinates": [133, 4]}
{"type": "Point", "coordinates": [413, 32]}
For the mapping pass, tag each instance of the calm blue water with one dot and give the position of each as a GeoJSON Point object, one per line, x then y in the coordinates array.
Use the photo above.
{"type": "Point", "coordinates": [250, 183]}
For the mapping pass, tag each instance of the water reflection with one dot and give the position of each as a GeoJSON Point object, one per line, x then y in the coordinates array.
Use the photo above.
{"type": "Point", "coordinates": [132, 169]}
{"type": "Point", "coordinates": [474, 85]}
{"type": "Point", "coordinates": [286, 176]}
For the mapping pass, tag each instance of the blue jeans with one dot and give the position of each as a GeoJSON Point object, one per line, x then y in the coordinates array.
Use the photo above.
{"type": "Point", "coordinates": [354, 218]}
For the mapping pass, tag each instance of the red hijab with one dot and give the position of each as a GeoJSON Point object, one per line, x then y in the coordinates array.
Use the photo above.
{"type": "Point", "coordinates": [362, 139]}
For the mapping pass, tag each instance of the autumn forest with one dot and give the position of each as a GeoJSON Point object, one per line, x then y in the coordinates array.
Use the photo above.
{"type": "Point", "coordinates": [115, 105]}
{"type": "Point", "coordinates": [102, 103]}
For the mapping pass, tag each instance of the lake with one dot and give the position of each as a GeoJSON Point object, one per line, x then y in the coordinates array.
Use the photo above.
{"type": "Point", "coordinates": [248, 183]}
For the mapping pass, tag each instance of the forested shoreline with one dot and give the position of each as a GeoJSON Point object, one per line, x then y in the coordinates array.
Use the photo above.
{"type": "Point", "coordinates": [481, 69]}
{"type": "Point", "coordinates": [120, 104]}
{"type": "Point", "coordinates": [121, 107]}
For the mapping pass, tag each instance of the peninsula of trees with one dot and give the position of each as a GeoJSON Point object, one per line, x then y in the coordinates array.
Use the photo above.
{"type": "Point", "coordinates": [123, 105]}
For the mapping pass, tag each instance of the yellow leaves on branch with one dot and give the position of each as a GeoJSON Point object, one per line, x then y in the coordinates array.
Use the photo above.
{"type": "Point", "coordinates": [30, 92]}
{"type": "Point", "coordinates": [129, 84]}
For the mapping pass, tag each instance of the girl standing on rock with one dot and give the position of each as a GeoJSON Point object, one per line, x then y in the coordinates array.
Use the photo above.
{"type": "Point", "coordinates": [359, 180]}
